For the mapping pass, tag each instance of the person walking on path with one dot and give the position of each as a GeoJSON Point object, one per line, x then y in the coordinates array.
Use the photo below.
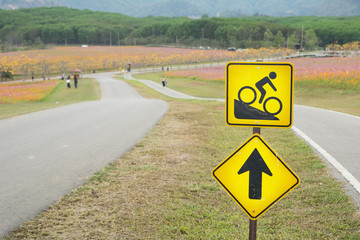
{"type": "Point", "coordinates": [68, 81]}
{"type": "Point", "coordinates": [163, 81]}
{"type": "Point", "coordinates": [75, 81]}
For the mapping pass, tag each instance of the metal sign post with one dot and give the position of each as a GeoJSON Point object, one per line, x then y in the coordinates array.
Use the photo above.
{"type": "Point", "coordinates": [254, 175]}
{"type": "Point", "coordinates": [252, 229]}
{"type": "Point", "coordinates": [253, 223]}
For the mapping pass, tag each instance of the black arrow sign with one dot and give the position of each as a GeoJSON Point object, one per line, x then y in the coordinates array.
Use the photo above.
{"type": "Point", "coordinates": [256, 165]}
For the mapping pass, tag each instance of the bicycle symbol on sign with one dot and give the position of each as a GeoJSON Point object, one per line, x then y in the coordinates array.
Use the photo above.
{"type": "Point", "coordinates": [242, 108]}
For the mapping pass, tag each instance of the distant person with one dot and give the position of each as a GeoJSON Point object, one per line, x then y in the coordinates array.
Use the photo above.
{"type": "Point", "coordinates": [75, 81]}
{"type": "Point", "coordinates": [163, 81]}
{"type": "Point", "coordinates": [266, 80]}
{"type": "Point", "coordinates": [68, 81]}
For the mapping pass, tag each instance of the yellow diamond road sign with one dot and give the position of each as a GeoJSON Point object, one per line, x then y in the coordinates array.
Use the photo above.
{"type": "Point", "coordinates": [259, 94]}
{"type": "Point", "coordinates": [255, 177]}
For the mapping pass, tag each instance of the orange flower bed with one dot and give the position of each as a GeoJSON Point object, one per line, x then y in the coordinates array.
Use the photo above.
{"type": "Point", "coordinates": [62, 59]}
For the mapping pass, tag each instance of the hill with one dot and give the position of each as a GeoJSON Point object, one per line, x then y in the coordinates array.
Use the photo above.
{"type": "Point", "coordinates": [61, 25]}
{"type": "Point", "coordinates": [225, 8]}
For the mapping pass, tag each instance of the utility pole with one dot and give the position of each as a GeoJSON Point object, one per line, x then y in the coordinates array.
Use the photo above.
{"type": "Point", "coordinates": [302, 37]}
{"type": "Point", "coordinates": [202, 37]}
{"type": "Point", "coordinates": [16, 46]}
{"type": "Point", "coordinates": [287, 41]}
{"type": "Point", "coordinates": [110, 39]}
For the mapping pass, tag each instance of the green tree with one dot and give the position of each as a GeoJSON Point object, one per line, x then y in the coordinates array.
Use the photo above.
{"type": "Point", "coordinates": [293, 40]}
{"type": "Point", "coordinates": [311, 40]}
{"type": "Point", "coordinates": [268, 38]}
{"type": "Point", "coordinates": [279, 39]}
{"type": "Point", "coordinates": [205, 15]}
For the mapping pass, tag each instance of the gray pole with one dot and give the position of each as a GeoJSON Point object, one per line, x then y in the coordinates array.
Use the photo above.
{"type": "Point", "coordinates": [253, 223]}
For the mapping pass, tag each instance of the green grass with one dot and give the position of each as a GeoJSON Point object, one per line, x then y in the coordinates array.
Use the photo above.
{"type": "Point", "coordinates": [337, 99]}
{"type": "Point", "coordinates": [196, 87]}
{"type": "Point", "coordinates": [88, 90]}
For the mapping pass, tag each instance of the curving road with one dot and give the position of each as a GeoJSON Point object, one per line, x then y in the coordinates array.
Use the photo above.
{"type": "Point", "coordinates": [46, 154]}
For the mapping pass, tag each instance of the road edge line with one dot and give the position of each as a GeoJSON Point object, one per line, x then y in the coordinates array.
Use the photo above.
{"type": "Point", "coordinates": [345, 173]}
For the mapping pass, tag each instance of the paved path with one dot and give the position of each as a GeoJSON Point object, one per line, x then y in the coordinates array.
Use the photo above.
{"type": "Point", "coordinates": [46, 154]}
{"type": "Point", "coordinates": [334, 135]}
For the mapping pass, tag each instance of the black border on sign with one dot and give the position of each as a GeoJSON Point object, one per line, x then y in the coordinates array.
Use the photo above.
{"type": "Point", "coordinates": [233, 197]}
{"type": "Point", "coordinates": [258, 125]}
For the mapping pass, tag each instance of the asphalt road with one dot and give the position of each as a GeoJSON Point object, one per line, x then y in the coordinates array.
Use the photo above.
{"type": "Point", "coordinates": [44, 155]}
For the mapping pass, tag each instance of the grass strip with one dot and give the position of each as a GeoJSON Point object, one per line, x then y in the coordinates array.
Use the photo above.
{"type": "Point", "coordinates": [88, 90]}
{"type": "Point", "coordinates": [163, 188]}
{"type": "Point", "coordinates": [305, 93]}
{"type": "Point", "coordinates": [193, 86]}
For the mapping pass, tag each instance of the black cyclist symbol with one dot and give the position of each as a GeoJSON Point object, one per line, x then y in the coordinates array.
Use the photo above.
{"type": "Point", "coordinates": [265, 103]}
{"type": "Point", "coordinates": [243, 110]}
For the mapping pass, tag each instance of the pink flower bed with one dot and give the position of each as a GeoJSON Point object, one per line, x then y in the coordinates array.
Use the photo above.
{"type": "Point", "coordinates": [25, 92]}
{"type": "Point", "coordinates": [336, 71]}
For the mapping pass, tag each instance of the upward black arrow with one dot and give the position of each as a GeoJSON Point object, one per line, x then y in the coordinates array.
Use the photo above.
{"type": "Point", "coordinates": [256, 165]}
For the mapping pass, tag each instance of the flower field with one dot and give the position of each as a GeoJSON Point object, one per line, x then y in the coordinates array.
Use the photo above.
{"type": "Point", "coordinates": [214, 73]}
{"type": "Point", "coordinates": [332, 72]}
{"type": "Point", "coordinates": [25, 92]}
{"type": "Point", "coordinates": [44, 63]}
{"type": "Point", "coordinates": [336, 72]}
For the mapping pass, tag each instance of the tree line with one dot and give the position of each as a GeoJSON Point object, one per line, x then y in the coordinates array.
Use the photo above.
{"type": "Point", "coordinates": [64, 26]}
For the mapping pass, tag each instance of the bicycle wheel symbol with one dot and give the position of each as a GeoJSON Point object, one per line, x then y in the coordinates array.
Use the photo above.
{"type": "Point", "coordinates": [279, 102]}
{"type": "Point", "coordinates": [251, 101]}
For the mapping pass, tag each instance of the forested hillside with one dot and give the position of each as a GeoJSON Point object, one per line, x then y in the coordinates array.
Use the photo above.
{"type": "Point", "coordinates": [60, 25]}
{"type": "Point", "coordinates": [224, 8]}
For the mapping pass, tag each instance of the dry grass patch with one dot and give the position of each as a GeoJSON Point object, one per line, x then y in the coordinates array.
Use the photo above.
{"type": "Point", "coordinates": [341, 100]}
